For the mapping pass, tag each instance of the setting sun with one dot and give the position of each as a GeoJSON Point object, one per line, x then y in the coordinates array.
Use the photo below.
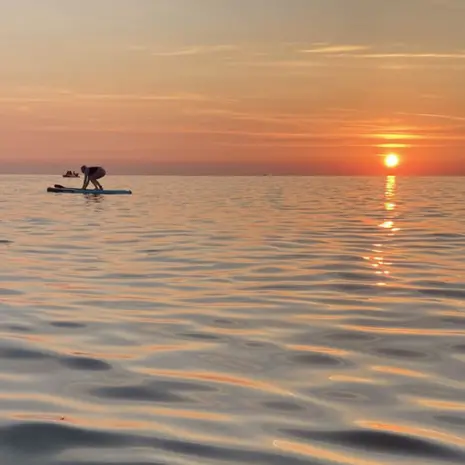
{"type": "Point", "coordinates": [391, 160]}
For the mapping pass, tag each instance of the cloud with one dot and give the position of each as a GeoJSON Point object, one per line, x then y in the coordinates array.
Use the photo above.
{"type": "Point", "coordinates": [332, 57]}
{"type": "Point", "coordinates": [195, 50]}
{"type": "Point", "coordinates": [432, 115]}
{"type": "Point", "coordinates": [289, 64]}
{"type": "Point", "coordinates": [368, 52]}
{"type": "Point", "coordinates": [95, 128]}
{"type": "Point", "coordinates": [295, 58]}
{"type": "Point", "coordinates": [297, 121]}
{"type": "Point", "coordinates": [458, 55]}
{"type": "Point", "coordinates": [338, 51]}
{"type": "Point", "coordinates": [329, 49]}
{"type": "Point", "coordinates": [76, 97]}
{"type": "Point", "coordinates": [141, 97]}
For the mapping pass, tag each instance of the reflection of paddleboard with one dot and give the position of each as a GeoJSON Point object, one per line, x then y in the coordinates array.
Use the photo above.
{"type": "Point", "coordinates": [72, 190]}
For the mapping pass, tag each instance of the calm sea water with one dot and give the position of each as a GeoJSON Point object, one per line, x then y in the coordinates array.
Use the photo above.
{"type": "Point", "coordinates": [260, 320]}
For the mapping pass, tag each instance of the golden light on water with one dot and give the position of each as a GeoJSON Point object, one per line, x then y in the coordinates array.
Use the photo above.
{"type": "Point", "coordinates": [380, 256]}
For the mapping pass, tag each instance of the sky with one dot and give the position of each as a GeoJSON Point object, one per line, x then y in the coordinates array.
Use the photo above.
{"type": "Point", "coordinates": [232, 86]}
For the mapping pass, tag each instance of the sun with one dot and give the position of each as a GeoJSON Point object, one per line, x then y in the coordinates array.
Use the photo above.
{"type": "Point", "coordinates": [392, 160]}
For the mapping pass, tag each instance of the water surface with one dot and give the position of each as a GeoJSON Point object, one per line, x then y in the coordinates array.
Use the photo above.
{"type": "Point", "coordinates": [260, 320]}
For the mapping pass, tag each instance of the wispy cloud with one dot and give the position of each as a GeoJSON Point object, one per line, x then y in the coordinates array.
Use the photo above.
{"type": "Point", "coordinates": [289, 64]}
{"type": "Point", "coordinates": [360, 51]}
{"type": "Point", "coordinates": [433, 115]}
{"type": "Point", "coordinates": [95, 129]}
{"type": "Point", "coordinates": [296, 121]}
{"type": "Point", "coordinates": [195, 50]}
{"type": "Point", "coordinates": [185, 96]}
{"type": "Point", "coordinates": [329, 49]}
{"type": "Point", "coordinates": [318, 55]}
{"type": "Point", "coordinates": [458, 55]}
{"type": "Point", "coordinates": [309, 61]}
{"type": "Point", "coordinates": [70, 97]}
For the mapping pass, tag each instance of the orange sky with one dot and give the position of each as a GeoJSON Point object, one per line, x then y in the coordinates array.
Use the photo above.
{"type": "Point", "coordinates": [239, 87]}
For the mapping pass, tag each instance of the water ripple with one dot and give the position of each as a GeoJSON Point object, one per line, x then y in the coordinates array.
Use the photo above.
{"type": "Point", "coordinates": [297, 321]}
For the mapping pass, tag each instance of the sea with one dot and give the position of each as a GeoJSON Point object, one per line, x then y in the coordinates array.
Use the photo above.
{"type": "Point", "coordinates": [233, 320]}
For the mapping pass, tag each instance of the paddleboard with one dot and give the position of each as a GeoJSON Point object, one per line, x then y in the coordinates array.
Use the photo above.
{"type": "Point", "coordinates": [72, 190]}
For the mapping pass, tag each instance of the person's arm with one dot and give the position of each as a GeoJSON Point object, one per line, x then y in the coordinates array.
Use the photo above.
{"type": "Point", "coordinates": [86, 180]}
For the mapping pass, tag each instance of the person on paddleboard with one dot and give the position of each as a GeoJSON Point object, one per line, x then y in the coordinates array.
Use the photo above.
{"type": "Point", "coordinates": [92, 174]}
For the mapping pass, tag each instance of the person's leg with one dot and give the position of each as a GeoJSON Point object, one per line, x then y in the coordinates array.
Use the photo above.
{"type": "Point", "coordinates": [96, 184]}
{"type": "Point", "coordinates": [99, 174]}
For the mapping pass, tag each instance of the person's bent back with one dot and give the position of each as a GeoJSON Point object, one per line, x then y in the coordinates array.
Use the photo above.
{"type": "Point", "coordinates": [92, 174]}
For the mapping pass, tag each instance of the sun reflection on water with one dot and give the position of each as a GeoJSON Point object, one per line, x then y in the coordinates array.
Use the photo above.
{"type": "Point", "coordinates": [379, 258]}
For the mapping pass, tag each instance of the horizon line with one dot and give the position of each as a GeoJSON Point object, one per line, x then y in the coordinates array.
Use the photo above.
{"type": "Point", "coordinates": [271, 175]}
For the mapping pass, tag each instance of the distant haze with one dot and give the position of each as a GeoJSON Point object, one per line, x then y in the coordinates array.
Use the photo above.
{"type": "Point", "coordinates": [232, 86]}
